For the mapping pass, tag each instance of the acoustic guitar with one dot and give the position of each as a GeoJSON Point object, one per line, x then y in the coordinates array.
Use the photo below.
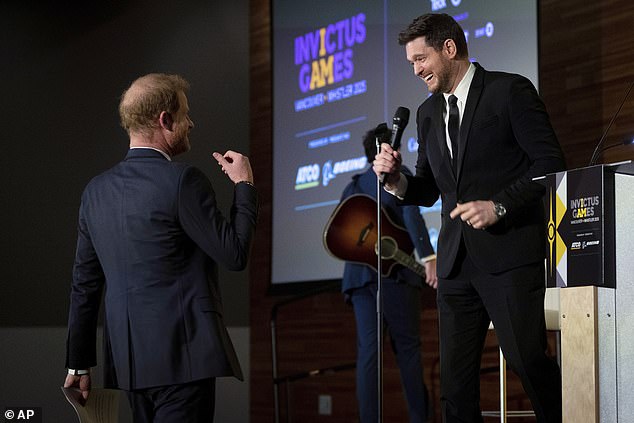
{"type": "Point", "coordinates": [351, 235]}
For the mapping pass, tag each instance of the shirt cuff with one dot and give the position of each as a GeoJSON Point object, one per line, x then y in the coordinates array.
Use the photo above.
{"type": "Point", "coordinates": [429, 258]}
{"type": "Point", "coordinates": [400, 189]}
{"type": "Point", "coordinates": [78, 372]}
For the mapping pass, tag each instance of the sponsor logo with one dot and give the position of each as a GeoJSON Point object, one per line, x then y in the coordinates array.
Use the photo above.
{"type": "Point", "coordinates": [307, 177]}
{"type": "Point", "coordinates": [438, 5]}
{"type": "Point", "coordinates": [330, 170]}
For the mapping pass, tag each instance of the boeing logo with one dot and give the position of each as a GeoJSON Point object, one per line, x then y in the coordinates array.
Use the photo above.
{"type": "Point", "coordinates": [330, 171]}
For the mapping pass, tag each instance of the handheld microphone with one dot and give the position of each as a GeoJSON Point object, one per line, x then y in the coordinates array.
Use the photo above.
{"type": "Point", "coordinates": [598, 149]}
{"type": "Point", "coordinates": [399, 122]}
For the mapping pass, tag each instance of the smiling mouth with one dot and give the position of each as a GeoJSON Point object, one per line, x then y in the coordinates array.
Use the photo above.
{"type": "Point", "coordinates": [428, 77]}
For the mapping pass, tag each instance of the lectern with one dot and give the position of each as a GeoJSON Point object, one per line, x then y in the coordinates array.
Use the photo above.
{"type": "Point", "coordinates": [590, 239]}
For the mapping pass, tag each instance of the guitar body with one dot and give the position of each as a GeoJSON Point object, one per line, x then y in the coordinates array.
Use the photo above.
{"type": "Point", "coordinates": [351, 235]}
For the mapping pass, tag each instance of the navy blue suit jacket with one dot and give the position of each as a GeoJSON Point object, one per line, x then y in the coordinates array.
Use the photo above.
{"type": "Point", "coordinates": [506, 140]}
{"type": "Point", "coordinates": [358, 275]}
{"type": "Point", "coordinates": [151, 233]}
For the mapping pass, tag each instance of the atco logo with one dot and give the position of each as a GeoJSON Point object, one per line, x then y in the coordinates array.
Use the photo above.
{"type": "Point", "coordinates": [575, 245]}
{"type": "Point", "coordinates": [307, 177]}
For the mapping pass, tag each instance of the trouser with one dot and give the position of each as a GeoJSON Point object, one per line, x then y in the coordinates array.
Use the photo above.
{"type": "Point", "coordinates": [192, 402]}
{"type": "Point", "coordinates": [401, 316]}
{"type": "Point", "coordinates": [514, 302]}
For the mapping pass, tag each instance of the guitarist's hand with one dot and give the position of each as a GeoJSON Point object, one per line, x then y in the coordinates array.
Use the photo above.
{"type": "Point", "coordinates": [387, 164]}
{"type": "Point", "coordinates": [431, 278]}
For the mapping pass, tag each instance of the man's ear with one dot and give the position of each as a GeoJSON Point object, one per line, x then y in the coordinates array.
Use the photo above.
{"type": "Point", "coordinates": [166, 121]}
{"type": "Point", "coordinates": [449, 46]}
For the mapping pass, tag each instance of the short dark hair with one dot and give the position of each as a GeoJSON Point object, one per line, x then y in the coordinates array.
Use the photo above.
{"type": "Point", "coordinates": [369, 140]}
{"type": "Point", "coordinates": [436, 28]}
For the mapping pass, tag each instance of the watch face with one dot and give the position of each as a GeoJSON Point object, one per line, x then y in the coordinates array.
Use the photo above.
{"type": "Point", "coordinates": [500, 210]}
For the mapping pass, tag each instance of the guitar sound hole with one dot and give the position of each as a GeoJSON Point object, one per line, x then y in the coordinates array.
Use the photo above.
{"type": "Point", "coordinates": [389, 247]}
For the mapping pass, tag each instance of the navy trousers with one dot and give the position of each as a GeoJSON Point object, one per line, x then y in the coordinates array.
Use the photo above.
{"type": "Point", "coordinates": [401, 316]}
{"type": "Point", "coordinates": [192, 402]}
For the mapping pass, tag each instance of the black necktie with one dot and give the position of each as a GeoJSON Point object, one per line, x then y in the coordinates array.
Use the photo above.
{"type": "Point", "coordinates": [454, 128]}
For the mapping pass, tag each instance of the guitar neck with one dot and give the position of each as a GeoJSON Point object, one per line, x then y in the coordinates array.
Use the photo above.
{"type": "Point", "coordinates": [410, 262]}
{"type": "Point", "coordinates": [390, 251]}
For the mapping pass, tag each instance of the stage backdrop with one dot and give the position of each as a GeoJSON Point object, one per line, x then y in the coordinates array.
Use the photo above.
{"type": "Point", "coordinates": [338, 71]}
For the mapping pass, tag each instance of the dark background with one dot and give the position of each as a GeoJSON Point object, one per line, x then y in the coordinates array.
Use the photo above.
{"type": "Point", "coordinates": [64, 67]}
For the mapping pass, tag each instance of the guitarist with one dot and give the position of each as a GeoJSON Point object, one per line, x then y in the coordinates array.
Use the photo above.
{"type": "Point", "coordinates": [401, 301]}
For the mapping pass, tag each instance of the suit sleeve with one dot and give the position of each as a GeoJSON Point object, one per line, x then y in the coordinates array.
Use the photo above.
{"type": "Point", "coordinates": [422, 188]}
{"type": "Point", "coordinates": [226, 241]}
{"type": "Point", "coordinates": [85, 299]}
{"type": "Point", "coordinates": [416, 227]}
{"type": "Point", "coordinates": [534, 133]}
{"type": "Point", "coordinates": [417, 230]}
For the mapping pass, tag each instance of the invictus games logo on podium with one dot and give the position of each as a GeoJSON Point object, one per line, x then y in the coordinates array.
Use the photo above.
{"type": "Point", "coordinates": [579, 234]}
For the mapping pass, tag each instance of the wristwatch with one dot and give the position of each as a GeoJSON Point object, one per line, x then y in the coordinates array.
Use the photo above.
{"type": "Point", "coordinates": [500, 210]}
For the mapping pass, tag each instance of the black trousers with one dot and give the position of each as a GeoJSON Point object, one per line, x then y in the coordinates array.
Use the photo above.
{"type": "Point", "coordinates": [514, 301]}
{"type": "Point", "coordinates": [192, 402]}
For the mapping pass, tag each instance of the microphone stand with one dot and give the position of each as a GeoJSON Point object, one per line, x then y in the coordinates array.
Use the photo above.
{"type": "Point", "coordinates": [399, 122]}
{"type": "Point", "coordinates": [379, 297]}
{"type": "Point", "coordinates": [598, 149]}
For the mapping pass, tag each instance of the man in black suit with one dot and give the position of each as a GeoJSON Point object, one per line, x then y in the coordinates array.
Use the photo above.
{"type": "Point", "coordinates": [152, 235]}
{"type": "Point", "coordinates": [483, 136]}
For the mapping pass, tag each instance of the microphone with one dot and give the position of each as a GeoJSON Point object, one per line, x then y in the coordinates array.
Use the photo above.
{"type": "Point", "coordinates": [399, 122]}
{"type": "Point", "coordinates": [616, 144]}
{"type": "Point", "coordinates": [598, 149]}
{"type": "Point", "coordinates": [381, 132]}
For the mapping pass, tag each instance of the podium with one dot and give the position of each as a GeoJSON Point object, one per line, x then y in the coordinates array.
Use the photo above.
{"type": "Point", "coordinates": [590, 237]}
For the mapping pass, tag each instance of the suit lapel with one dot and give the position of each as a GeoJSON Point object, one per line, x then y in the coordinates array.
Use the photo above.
{"type": "Point", "coordinates": [441, 134]}
{"type": "Point", "coordinates": [475, 90]}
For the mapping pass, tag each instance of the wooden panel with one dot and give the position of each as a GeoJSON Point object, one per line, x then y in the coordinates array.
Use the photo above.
{"type": "Point", "coordinates": [579, 370]}
{"type": "Point", "coordinates": [586, 63]}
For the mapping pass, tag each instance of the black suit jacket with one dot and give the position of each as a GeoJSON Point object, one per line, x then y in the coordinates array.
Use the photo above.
{"type": "Point", "coordinates": [506, 141]}
{"type": "Point", "coordinates": [151, 233]}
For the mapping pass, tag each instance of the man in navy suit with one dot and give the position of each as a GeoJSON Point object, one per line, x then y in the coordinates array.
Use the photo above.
{"type": "Point", "coordinates": [483, 136]}
{"type": "Point", "coordinates": [152, 236]}
{"type": "Point", "coordinates": [401, 303]}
